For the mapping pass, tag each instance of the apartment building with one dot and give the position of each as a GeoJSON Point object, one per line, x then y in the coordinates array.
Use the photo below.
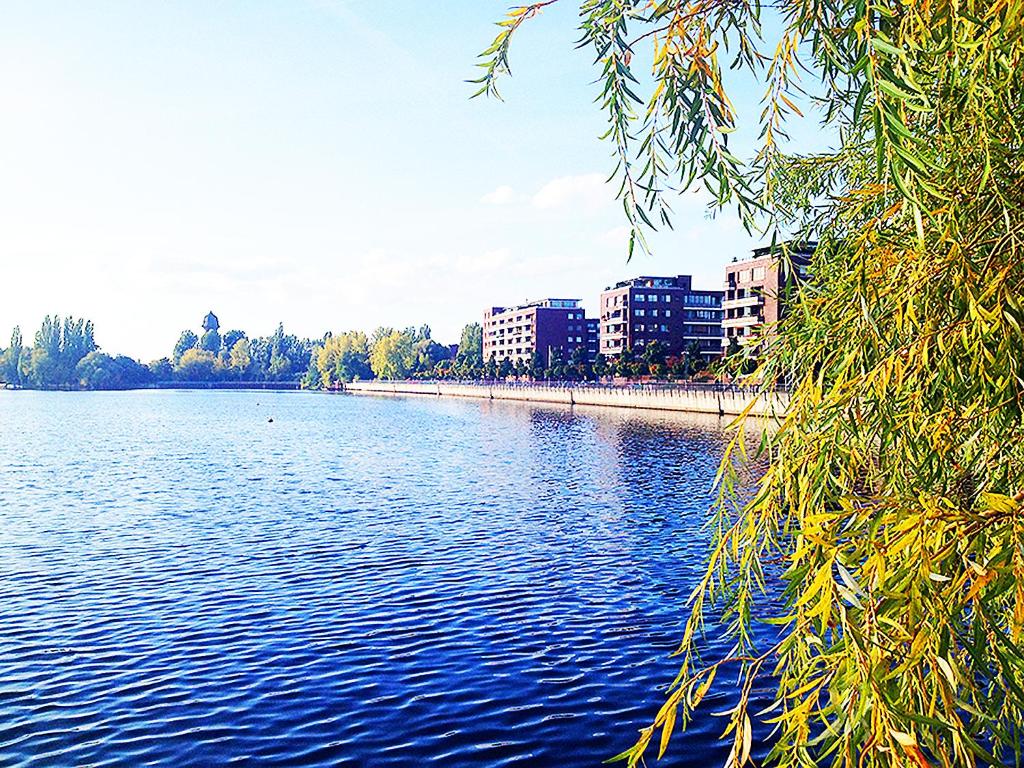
{"type": "Point", "coordinates": [756, 290]}
{"type": "Point", "coordinates": [666, 309]}
{"type": "Point", "coordinates": [544, 326]}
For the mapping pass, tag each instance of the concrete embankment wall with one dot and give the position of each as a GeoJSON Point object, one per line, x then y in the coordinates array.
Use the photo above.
{"type": "Point", "coordinates": [725, 402]}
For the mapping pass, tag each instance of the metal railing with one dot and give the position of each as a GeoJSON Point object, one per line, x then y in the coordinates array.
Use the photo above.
{"type": "Point", "coordinates": [635, 386]}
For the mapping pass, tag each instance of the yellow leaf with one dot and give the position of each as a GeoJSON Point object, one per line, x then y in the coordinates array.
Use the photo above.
{"type": "Point", "coordinates": [748, 740]}
{"type": "Point", "coordinates": [666, 731]}
{"type": "Point", "coordinates": [998, 502]}
{"type": "Point", "coordinates": [947, 671]}
{"type": "Point", "coordinates": [903, 739]}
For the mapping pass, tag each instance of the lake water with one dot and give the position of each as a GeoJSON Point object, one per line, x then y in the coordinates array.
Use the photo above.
{"type": "Point", "coordinates": [359, 582]}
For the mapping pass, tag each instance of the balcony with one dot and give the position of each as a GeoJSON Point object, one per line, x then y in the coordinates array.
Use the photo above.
{"type": "Point", "coordinates": [752, 300]}
{"type": "Point", "coordinates": [742, 321]}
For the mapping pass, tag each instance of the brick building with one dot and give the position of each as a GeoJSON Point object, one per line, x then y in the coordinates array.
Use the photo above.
{"type": "Point", "coordinates": [756, 290]}
{"type": "Point", "coordinates": [544, 326]}
{"type": "Point", "coordinates": [665, 309]}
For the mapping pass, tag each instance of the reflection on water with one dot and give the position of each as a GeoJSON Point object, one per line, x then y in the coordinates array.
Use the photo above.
{"type": "Point", "coordinates": [362, 581]}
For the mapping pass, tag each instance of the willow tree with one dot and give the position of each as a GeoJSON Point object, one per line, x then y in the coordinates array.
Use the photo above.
{"type": "Point", "coordinates": [889, 497]}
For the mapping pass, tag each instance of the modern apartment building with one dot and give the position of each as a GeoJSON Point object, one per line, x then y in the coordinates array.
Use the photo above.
{"type": "Point", "coordinates": [665, 309]}
{"type": "Point", "coordinates": [544, 326]}
{"type": "Point", "coordinates": [756, 290]}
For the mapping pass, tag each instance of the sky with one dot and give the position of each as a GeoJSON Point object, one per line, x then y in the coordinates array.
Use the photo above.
{"type": "Point", "coordinates": [311, 162]}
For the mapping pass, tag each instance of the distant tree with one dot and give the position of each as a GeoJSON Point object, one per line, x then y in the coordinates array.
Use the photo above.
{"type": "Point", "coordinates": [98, 370]}
{"type": "Point", "coordinates": [311, 378]}
{"type": "Point", "coordinates": [342, 358]}
{"type": "Point", "coordinates": [188, 340]}
{"type": "Point", "coordinates": [600, 366]}
{"type": "Point", "coordinates": [579, 365]}
{"type": "Point", "coordinates": [491, 367]}
{"type": "Point", "coordinates": [210, 341]}
{"type": "Point", "coordinates": [161, 370]}
{"type": "Point", "coordinates": [693, 354]}
{"type": "Point", "coordinates": [521, 368]}
{"type": "Point", "coordinates": [231, 338]}
{"type": "Point", "coordinates": [354, 362]}
{"type": "Point", "coordinates": [196, 365]}
{"type": "Point", "coordinates": [654, 358]}
{"type": "Point", "coordinates": [428, 353]}
{"type": "Point", "coordinates": [679, 366]}
{"type": "Point", "coordinates": [625, 364]}
{"type": "Point", "coordinates": [555, 368]}
{"type": "Point", "coordinates": [537, 365]}
{"type": "Point", "coordinates": [42, 371]}
{"type": "Point", "coordinates": [469, 360]}
{"type": "Point", "coordinates": [59, 346]}
{"type": "Point", "coordinates": [280, 368]}
{"type": "Point", "coordinates": [392, 353]}
{"type": "Point", "coordinates": [13, 358]}
{"type": "Point", "coordinates": [240, 358]}
{"type": "Point", "coordinates": [76, 342]}
{"type": "Point", "coordinates": [506, 368]}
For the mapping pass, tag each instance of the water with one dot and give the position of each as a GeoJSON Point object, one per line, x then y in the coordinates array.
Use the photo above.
{"type": "Point", "coordinates": [360, 582]}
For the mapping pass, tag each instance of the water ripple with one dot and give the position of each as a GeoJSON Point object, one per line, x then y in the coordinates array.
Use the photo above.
{"type": "Point", "coordinates": [361, 582]}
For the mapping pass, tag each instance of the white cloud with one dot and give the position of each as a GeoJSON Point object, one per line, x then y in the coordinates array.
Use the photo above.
{"type": "Point", "coordinates": [616, 236]}
{"type": "Point", "coordinates": [489, 261]}
{"type": "Point", "coordinates": [503, 195]}
{"type": "Point", "coordinates": [587, 191]}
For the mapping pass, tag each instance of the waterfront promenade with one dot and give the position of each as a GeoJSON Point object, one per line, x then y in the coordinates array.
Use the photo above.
{"type": "Point", "coordinates": [719, 399]}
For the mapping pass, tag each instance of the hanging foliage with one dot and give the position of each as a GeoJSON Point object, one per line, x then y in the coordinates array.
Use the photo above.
{"type": "Point", "coordinates": [891, 491]}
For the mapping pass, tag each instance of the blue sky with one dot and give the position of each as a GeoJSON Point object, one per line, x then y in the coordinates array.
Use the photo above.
{"type": "Point", "coordinates": [315, 162]}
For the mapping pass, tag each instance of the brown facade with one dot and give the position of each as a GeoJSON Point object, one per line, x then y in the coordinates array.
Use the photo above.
{"type": "Point", "coordinates": [550, 327]}
{"type": "Point", "coordinates": [669, 310]}
{"type": "Point", "coordinates": [756, 291]}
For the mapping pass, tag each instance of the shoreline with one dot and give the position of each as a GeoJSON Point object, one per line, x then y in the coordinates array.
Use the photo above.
{"type": "Point", "coordinates": [722, 401]}
{"type": "Point", "coordinates": [717, 401]}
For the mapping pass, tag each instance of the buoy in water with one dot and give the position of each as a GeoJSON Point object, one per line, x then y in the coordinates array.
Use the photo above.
{"type": "Point", "coordinates": [270, 421]}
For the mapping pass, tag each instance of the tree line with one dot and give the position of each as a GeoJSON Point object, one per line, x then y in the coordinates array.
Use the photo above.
{"type": "Point", "coordinates": [64, 355]}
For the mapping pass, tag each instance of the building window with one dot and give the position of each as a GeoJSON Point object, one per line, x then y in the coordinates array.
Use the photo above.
{"type": "Point", "coordinates": [759, 273]}
{"type": "Point", "coordinates": [664, 329]}
{"type": "Point", "coordinates": [654, 313]}
{"type": "Point", "coordinates": [668, 297]}
{"type": "Point", "coordinates": [638, 312]}
{"type": "Point", "coordinates": [668, 313]}
{"type": "Point", "coordinates": [640, 297]}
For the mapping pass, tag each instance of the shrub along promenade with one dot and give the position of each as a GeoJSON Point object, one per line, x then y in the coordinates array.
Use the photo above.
{"type": "Point", "coordinates": [719, 399]}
